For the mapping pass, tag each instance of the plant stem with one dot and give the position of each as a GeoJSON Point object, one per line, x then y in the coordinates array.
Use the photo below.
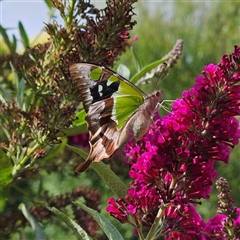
{"type": "Point", "coordinates": [19, 166]}
{"type": "Point", "coordinates": [156, 222]}
{"type": "Point", "coordinates": [158, 218]}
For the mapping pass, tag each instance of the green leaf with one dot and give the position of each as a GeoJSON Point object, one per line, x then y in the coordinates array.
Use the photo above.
{"type": "Point", "coordinates": [80, 233]}
{"type": "Point", "coordinates": [14, 43]}
{"type": "Point", "coordinates": [136, 59]}
{"type": "Point", "coordinates": [123, 71]}
{"type": "Point", "coordinates": [20, 87]}
{"type": "Point", "coordinates": [5, 96]}
{"type": "Point", "coordinates": [39, 233]}
{"type": "Point", "coordinates": [71, 131]}
{"type": "Point", "coordinates": [110, 178]}
{"type": "Point", "coordinates": [48, 3]}
{"type": "Point", "coordinates": [29, 98]}
{"type": "Point", "coordinates": [20, 92]}
{"type": "Point", "coordinates": [106, 174]}
{"type": "Point", "coordinates": [6, 39]}
{"type": "Point", "coordinates": [79, 126]}
{"type": "Point", "coordinates": [80, 118]}
{"type": "Point", "coordinates": [23, 35]}
{"type": "Point", "coordinates": [5, 178]}
{"type": "Point", "coordinates": [55, 150]}
{"type": "Point", "coordinates": [146, 69]}
{"type": "Point", "coordinates": [111, 232]}
{"type": "Point", "coordinates": [79, 151]}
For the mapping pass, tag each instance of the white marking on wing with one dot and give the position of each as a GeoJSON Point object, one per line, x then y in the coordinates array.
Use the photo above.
{"type": "Point", "coordinates": [100, 88]}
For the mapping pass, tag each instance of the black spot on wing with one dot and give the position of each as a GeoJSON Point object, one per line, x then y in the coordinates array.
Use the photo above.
{"type": "Point", "coordinates": [102, 91]}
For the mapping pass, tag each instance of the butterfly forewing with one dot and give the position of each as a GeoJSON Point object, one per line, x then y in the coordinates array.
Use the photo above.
{"type": "Point", "coordinates": [98, 83]}
{"type": "Point", "coordinates": [113, 106]}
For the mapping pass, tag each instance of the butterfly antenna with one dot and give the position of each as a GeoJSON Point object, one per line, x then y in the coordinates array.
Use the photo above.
{"type": "Point", "coordinates": [164, 70]}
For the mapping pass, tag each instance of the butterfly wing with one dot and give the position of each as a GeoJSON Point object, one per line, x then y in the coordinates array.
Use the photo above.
{"type": "Point", "coordinates": [109, 101]}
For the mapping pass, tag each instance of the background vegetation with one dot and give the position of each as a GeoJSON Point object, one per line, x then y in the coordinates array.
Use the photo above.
{"type": "Point", "coordinates": [209, 30]}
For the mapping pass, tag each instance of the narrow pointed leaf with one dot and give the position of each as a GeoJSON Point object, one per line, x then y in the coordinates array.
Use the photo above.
{"type": "Point", "coordinates": [4, 95]}
{"type": "Point", "coordinates": [136, 59]}
{"type": "Point", "coordinates": [66, 132]}
{"type": "Point", "coordinates": [6, 39]}
{"type": "Point", "coordinates": [106, 174]}
{"type": "Point", "coordinates": [20, 86]}
{"type": "Point", "coordinates": [79, 151]}
{"type": "Point", "coordinates": [55, 150]}
{"type": "Point", "coordinates": [146, 69]}
{"type": "Point", "coordinates": [80, 118]}
{"type": "Point", "coordinates": [80, 233]}
{"type": "Point", "coordinates": [14, 43]}
{"type": "Point", "coordinates": [23, 35]}
{"type": "Point", "coordinates": [20, 93]}
{"type": "Point", "coordinates": [123, 71]}
{"type": "Point", "coordinates": [48, 3]}
{"type": "Point", "coordinates": [39, 233]}
{"type": "Point", "coordinates": [111, 232]}
{"type": "Point", "coordinates": [110, 178]}
{"type": "Point", "coordinates": [5, 178]}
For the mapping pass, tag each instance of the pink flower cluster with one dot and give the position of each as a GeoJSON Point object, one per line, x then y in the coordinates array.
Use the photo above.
{"type": "Point", "coordinates": [172, 166]}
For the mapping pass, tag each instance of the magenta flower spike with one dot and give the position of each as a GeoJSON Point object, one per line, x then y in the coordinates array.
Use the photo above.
{"type": "Point", "coordinates": [172, 166]}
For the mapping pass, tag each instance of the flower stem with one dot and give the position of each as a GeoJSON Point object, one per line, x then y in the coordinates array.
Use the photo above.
{"type": "Point", "coordinates": [162, 208]}
{"type": "Point", "coordinates": [156, 222]}
{"type": "Point", "coordinates": [18, 166]}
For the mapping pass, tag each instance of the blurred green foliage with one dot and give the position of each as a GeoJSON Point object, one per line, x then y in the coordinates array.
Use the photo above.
{"type": "Point", "coordinates": [209, 30]}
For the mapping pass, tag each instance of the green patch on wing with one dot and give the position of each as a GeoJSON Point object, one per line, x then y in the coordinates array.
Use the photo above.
{"type": "Point", "coordinates": [113, 78]}
{"type": "Point", "coordinates": [124, 107]}
{"type": "Point", "coordinates": [96, 73]}
{"type": "Point", "coordinates": [127, 100]}
{"type": "Point", "coordinates": [126, 88]}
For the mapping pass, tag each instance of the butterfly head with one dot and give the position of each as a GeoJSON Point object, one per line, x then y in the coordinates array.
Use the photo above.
{"type": "Point", "coordinates": [152, 101]}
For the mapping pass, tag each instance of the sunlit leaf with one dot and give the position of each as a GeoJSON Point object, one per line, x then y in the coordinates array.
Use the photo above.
{"type": "Point", "coordinates": [4, 95]}
{"type": "Point", "coordinates": [106, 174]}
{"type": "Point", "coordinates": [123, 71]}
{"type": "Point", "coordinates": [6, 39]}
{"type": "Point", "coordinates": [71, 131]}
{"type": "Point", "coordinates": [111, 232]}
{"type": "Point", "coordinates": [146, 69]}
{"type": "Point", "coordinates": [79, 151]}
{"type": "Point", "coordinates": [14, 43]}
{"type": "Point", "coordinates": [23, 34]}
{"type": "Point", "coordinates": [80, 233]}
{"type": "Point", "coordinates": [80, 118]}
{"type": "Point", "coordinates": [48, 3]}
{"type": "Point", "coordinates": [39, 233]}
{"type": "Point", "coordinates": [137, 61]}
{"type": "Point", "coordinates": [110, 178]}
{"type": "Point", "coordinates": [5, 178]}
{"type": "Point", "coordinates": [20, 87]}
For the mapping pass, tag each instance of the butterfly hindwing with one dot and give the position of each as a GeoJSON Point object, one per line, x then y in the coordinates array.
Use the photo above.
{"type": "Point", "coordinates": [114, 106]}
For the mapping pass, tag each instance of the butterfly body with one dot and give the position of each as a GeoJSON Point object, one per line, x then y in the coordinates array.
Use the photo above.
{"type": "Point", "coordinates": [115, 108]}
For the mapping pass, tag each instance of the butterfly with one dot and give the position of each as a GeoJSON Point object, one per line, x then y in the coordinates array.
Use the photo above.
{"type": "Point", "coordinates": [114, 107]}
